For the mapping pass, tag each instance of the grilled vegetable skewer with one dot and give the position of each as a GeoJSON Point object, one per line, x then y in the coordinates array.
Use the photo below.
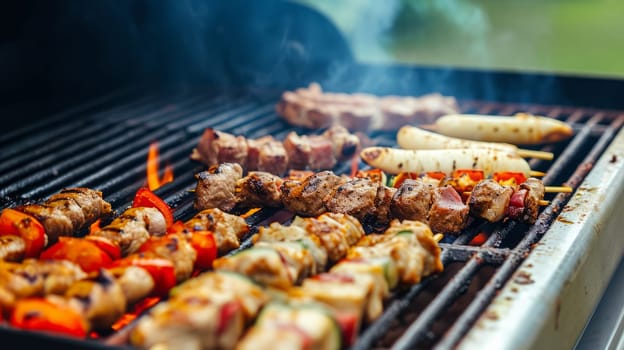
{"type": "Point", "coordinates": [411, 137]}
{"type": "Point", "coordinates": [520, 129]}
{"type": "Point", "coordinates": [27, 229]}
{"type": "Point", "coordinates": [325, 310]}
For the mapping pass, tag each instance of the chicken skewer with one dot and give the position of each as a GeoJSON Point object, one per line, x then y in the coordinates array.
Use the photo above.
{"type": "Point", "coordinates": [26, 230]}
{"type": "Point", "coordinates": [160, 263]}
{"type": "Point", "coordinates": [411, 137]}
{"type": "Point", "coordinates": [353, 289]}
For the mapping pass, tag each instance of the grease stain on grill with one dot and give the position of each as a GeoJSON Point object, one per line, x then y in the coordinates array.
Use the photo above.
{"type": "Point", "coordinates": [523, 278]}
{"type": "Point", "coordinates": [564, 220]}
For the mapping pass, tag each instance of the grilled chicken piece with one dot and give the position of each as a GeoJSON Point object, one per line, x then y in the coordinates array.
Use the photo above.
{"type": "Point", "coordinates": [216, 147]}
{"type": "Point", "coordinates": [216, 187]}
{"type": "Point", "coordinates": [489, 200]}
{"type": "Point", "coordinates": [259, 189]}
{"type": "Point", "coordinates": [100, 300]}
{"type": "Point", "coordinates": [412, 200]}
{"type": "Point", "coordinates": [12, 248]}
{"type": "Point", "coordinates": [263, 264]}
{"type": "Point", "coordinates": [336, 232]}
{"type": "Point", "coordinates": [411, 246]}
{"type": "Point", "coordinates": [267, 154]}
{"type": "Point", "coordinates": [228, 229]}
{"type": "Point", "coordinates": [307, 197]}
{"type": "Point", "coordinates": [206, 312]}
{"type": "Point", "coordinates": [447, 213]}
{"type": "Point", "coordinates": [313, 152]}
{"type": "Point", "coordinates": [284, 326]}
{"type": "Point", "coordinates": [133, 228]}
{"type": "Point", "coordinates": [135, 282]}
{"type": "Point", "coordinates": [34, 277]}
{"type": "Point", "coordinates": [175, 248]}
{"type": "Point", "coordinates": [535, 193]}
{"type": "Point", "coordinates": [68, 212]}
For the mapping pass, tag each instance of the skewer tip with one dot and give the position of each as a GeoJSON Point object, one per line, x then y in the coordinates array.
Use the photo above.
{"type": "Point", "coordinates": [430, 127]}
{"type": "Point", "coordinates": [535, 173]}
{"type": "Point", "coordinates": [438, 237]}
{"type": "Point", "coordinates": [529, 153]}
{"type": "Point", "coordinates": [560, 189]}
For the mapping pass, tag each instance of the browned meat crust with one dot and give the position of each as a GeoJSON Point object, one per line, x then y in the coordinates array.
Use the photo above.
{"type": "Point", "coordinates": [448, 213]}
{"type": "Point", "coordinates": [68, 212]}
{"type": "Point", "coordinates": [259, 189]}
{"type": "Point", "coordinates": [227, 229]}
{"type": "Point", "coordinates": [489, 200]}
{"type": "Point", "coordinates": [535, 193]}
{"type": "Point", "coordinates": [216, 187]}
{"type": "Point", "coordinates": [307, 197]}
{"type": "Point", "coordinates": [412, 200]}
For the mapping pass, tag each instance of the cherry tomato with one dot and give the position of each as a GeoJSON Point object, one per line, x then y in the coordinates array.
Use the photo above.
{"type": "Point", "coordinates": [84, 252]}
{"type": "Point", "coordinates": [13, 222]}
{"type": "Point", "coordinates": [39, 314]}
{"type": "Point", "coordinates": [146, 198]}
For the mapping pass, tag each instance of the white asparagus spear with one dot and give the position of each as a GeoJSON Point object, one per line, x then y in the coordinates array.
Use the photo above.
{"type": "Point", "coordinates": [521, 129]}
{"type": "Point", "coordinates": [411, 137]}
{"type": "Point", "coordinates": [395, 160]}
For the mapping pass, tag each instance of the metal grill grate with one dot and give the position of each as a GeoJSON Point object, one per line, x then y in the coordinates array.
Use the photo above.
{"type": "Point", "coordinates": [104, 145]}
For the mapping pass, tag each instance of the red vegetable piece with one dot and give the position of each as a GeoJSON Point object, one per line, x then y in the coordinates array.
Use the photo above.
{"type": "Point", "coordinates": [13, 222]}
{"type": "Point", "coordinates": [146, 198]}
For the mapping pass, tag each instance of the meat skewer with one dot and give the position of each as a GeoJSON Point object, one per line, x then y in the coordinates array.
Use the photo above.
{"type": "Point", "coordinates": [312, 108]}
{"type": "Point", "coordinates": [411, 137]}
{"type": "Point", "coordinates": [316, 152]}
{"type": "Point", "coordinates": [326, 307]}
{"type": "Point", "coordinates": [439, 204]}
{"type": "Point", "coordinates": [27, 229]}
{"type": "Point", "coordinates": [158, 265]}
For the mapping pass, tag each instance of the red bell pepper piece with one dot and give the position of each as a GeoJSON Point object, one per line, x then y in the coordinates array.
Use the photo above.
{"type": "Point", "coordinates": [401, 177]}
{"type": "Point", "coordinates": [176, 227]}
{"type": "Point", "coordinates": [146, 198]}
{"type": "Point", "coordinates": [38, 314]}
{"type": "Point", "coordinates": [438, 175]}
{"type": "Point", "coordinates": [84, 252]}
{"type": "Point", "coordinates": [110, 248]}
{"type": "Point", "coordinates": [349, 325]}
{"type": "Point", "coordinates": [16, 223]}
{"type": "Point", "coordinates": [508, 176]}
{"type": "Point", "coordinates": [206, 248]}
{"type": "Point", "coordinates": [474, 175]}
{"type": "Point", "coordinates": [161, 270]}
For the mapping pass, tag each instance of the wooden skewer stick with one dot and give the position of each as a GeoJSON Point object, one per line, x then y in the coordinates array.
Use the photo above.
{"type": "Point", "coordinates": [543, 203]}
{"type": "Point", "coordinates": [558, 189]}
{"type": "Point", "coordinates": [535, 173]}
{"type": "Point", "coordinates": [529, 153]}
{"type": "Point", "coordinates": [438, 237]}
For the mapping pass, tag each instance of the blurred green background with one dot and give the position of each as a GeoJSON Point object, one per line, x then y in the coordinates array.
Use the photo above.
{"type": "Point", "coordinates": [570, 37]}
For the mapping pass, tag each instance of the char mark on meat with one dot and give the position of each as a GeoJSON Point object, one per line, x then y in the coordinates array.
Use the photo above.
{"type": "Point", "coordinates": [535, 192]}
{"type": "Point", "coordinates": [216, 187]}
{"type": "Point", "coordinates": [259, 189]}
{"type": "Point", "coordinates": [412, 200]}
{"type": "Point", "coordinates": [307, 197]}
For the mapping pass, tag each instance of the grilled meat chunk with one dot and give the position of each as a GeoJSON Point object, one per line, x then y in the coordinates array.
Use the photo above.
{"type": "Point", "coordinates": [447, 213]}
{"type": "Point", "coordinates": [489, 200]}
{"type": "Point", "coordinates": [313, 152]}
{"type": "Point", "coordinates": [216, 187]}
{"type": "Point", "coordinates": [307, 197]}
{"type": "Point", "coordinates": [12, 248]}
{"type": "Point", "coordinates": [356, 197]}
{"type": "Point", "coordinates": [412, 200]}
{"type": "Point", "coordinates": [345, 144]}
{"type": "Point", "coordinates": [535, 192]}
{"type": "Point", "coordinates": [135, 282]}
{"type": "Point", "coordinates": [133, 228]}
{"type": "Point", "coordinates": [267, 154]}
{"type": "Point", "coordinates": [175, 248]}
{"type": "Point", "coordinates": [68, 212]}
{"type": "Point", "coordinates": [259, 189]}
{"type": "Point", "coordinates": [35, 278]}
{"type": "Point", "coordinates": [216, 147]}
{"type": "Point", "coordinates": [228, 229]}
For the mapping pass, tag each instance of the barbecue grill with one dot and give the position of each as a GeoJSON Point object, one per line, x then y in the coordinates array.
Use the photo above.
{"type": "Point", "coordinates": [526, 286]}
